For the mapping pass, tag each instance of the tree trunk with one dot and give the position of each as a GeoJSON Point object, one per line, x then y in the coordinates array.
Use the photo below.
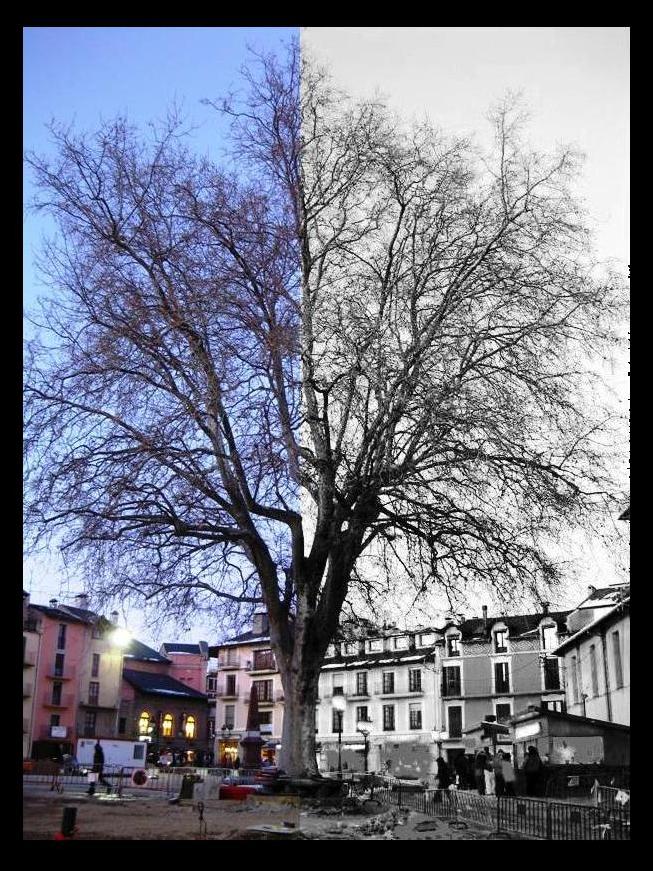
{"type": "Point", "coordinates": [297, 756]}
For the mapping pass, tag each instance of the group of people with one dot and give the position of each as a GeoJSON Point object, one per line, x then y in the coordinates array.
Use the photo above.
{"type": "Point", "coordinates": [495, 775]}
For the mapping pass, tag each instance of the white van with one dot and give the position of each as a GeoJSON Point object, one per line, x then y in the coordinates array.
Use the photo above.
{"type": "Point", "coordinates": [117, 753]}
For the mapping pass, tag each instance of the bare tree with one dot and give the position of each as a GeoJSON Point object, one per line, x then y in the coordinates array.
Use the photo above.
{"type": "Point", "coordinates": [360, 340]}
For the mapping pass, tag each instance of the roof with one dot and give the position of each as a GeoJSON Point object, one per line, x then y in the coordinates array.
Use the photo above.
{"type": "Point", "coordinates": [137, 650]}
{"type": "Point", "coordinates": [383, 657]}
{"type": "Point", "coordinates": [174, 647]}
{"type": "Point", "coordinates": [244, 638]}
{"type": "Point", "coordinates": [67, 612]}
{"type": "Point", "coordinates": [534, 712]}
{"type": "Point", "coordinates": [519, 625]}
{"type": "Point", "coordinates": [606, 616]}
{"type": "Point", "coordinates": [625, 515]}
{"type": "Point", "coordinates": [160, 685]}
{"type": "Point", "coordinates": [602, 597]}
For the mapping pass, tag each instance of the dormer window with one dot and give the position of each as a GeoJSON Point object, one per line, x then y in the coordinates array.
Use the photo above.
{"type": "Point", "coordinates": [501, 641]}
{"type": "Point", "coordinates": [453, 645]}
{"type": "Point", "coordinates": [351, 648]}
{"type": "Point", "coordinates": [375, 645]}
{"type": "Point", "coordinates": [330, 651]}
{"type": "Point", "coordinates": [426, 639]}
{"type": "Point", "coordinates": [549, 637]}
{"type": "Point", "coordinates": [400, 642]}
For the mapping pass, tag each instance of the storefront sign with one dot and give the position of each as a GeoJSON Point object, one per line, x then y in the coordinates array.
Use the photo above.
{"type": "Point", "coordinates": [526, 730]}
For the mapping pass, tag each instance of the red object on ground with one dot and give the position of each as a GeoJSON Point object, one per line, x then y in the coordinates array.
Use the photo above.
{"type": "Point", "coordinates": [237, 793]}
{"type": "Point", "coordinates": [59, 837]}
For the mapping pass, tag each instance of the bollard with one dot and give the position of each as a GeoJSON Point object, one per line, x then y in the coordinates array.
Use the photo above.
{"type": "Point", "coordinates": [67, 824]}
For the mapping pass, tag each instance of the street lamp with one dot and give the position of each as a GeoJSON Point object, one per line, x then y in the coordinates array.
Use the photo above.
{"type": "Point", "coordinates": [365, 727]}
{"type": "Point", "coordinates": [339, 704]}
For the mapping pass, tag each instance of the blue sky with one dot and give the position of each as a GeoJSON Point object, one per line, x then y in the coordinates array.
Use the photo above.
{"type": "Point", "coordinates": [83, 75]}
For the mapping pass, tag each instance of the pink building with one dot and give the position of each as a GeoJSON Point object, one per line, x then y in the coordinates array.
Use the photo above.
{"type": "Point", "coordinates": [189, 663]}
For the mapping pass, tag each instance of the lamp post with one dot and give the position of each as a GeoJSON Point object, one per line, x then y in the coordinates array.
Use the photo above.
{"type": "Point", "coordinates": [365, 727]}
{"type": "Point", "coordinates": [225, 734]}
{"type": "Point", "coordinates": [339, 704]}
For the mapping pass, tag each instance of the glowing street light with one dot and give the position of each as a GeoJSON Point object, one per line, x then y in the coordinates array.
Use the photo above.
{"type": "Point", "coordinates": [120, 637]}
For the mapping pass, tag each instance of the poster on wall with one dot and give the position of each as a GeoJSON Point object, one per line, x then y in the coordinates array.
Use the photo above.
{"type": "Point", "coordinates": [577, 751]}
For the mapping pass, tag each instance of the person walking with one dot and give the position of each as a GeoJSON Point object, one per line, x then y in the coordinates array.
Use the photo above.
{"type": "Point", "coordinates": [508, 771]}
{"type": "Point", "coordinates": [460, 767]}
{"type": "Point", "coordinates": [533, 771]}
{"type": "Point", "coordinates": [237, 763]}
{"type": "Point", "coordinates": [499, 782]}
{"type": "Point", "coordinates": [480, 762]}
{"type": "Point", "coordinates": [443, 773]}
{"type": "Point", "coordinates": [489, 775]}
{"type": "Point", "coordinates": [98, 763]}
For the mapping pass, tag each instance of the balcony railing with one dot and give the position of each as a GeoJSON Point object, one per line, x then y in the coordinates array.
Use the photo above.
{"type": "Point", "coordinates": [65, 673]}
{"type": "Point", "coordinates": [224, 692]}
{"type": "Point", "coordinates": [65, 701]}
{"type": "Point", "coordinates": [451, 689]}
{"type": "Point", "coordinates": [262, 663]}
{"type": "Point", "coordinates": [94, 702]}
{"type": "Point", "coordinates": [29, 659]}
{"type": "Point", "coordinates": [230, 662]}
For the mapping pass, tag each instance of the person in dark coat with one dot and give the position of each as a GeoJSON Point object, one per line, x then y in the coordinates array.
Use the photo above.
{"type": "Point", "coordinates": [443, 773]}
{"type": "Point", "coordinates": [98, 763]}
{"type": "Point", "coordinates": [460, 767]}
{"type": "Point", "coordinates": [480, 764]}
{"type": "Point", "coordinates": [499, 782]}
{"type": "Point", "coordinates": [237, 763]}
{"type": "Point", "coordinates": [533, 771]}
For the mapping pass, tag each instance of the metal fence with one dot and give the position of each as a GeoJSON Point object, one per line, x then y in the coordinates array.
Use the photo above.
{"type": "Point", "coordinates": [536, 818]}
{"type": "Point", "coordinates": [611, 797]}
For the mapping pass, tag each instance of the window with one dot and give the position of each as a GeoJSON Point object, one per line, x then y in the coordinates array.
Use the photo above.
{"type": "Point", "coordinates": [144, 725]}
{"type": "Point", "coordinates": [265, 717]}
{"type": "Point", "coordinates": [388, 682]}
{"type": "Point", "coordinates": [58, 664]}
{"type": "Point", "coordinates": [501, 641]}
{"type": "Point", "coordinates": [90, 719]}
{"type": "Point", "coordinates": [211, 684]}
{"type": "Point", "coordinates": [504, 713]}
{"type": "Point", "coordinates": [453, 645]}
{"type": "Point", "coordinates": [61, 637]}
{"type": "Point", "coordinates": [330, 651]}
{"type": "Point", "coordinates": [415, 716]}
{"type": "Point", "coordinates": [361, 713]}
{"type": "Point", "coordinates": [167, 726]}
{"type": "Point", "coordinates": [415, 680]}
{"type": "Point", "coordinates": [55, 719]}
{"type": "Point", "coordinates": [351, 647]}
{"type": "Point", "coordinates": [232, 656]}
{"type": "Point", "coordinates": [549, 637]}
{"type": "Point", "coordinates": [230, 688]}
{"type": "Point", "coordinates": [210, 727]}
{"type": "Point", "coordinates": [139, 752]}
{"type": "Point", "coordinates": [451, 680]}
{"type": "Point", "coordinates": [338, 685]}
{"type": "Point", "coordinates": [97, 632]}
{"type": "Point", "coordinates": [95, 668]}
{"type": "Point", "coordinates": [230, 716]}
{"type": "Point", "coordinates": [264, 690]}
{"type": "Point", "coordinates": [616, 654]}
{"type": "Point", "coordinates": [336, 720]}
{"type": "Point", "coordinates": [501, 677]}
{"type": "Point", "coordinates": [264, 660]}
{"type": "Point", "coordinates": [555, 706]}
{"type": "Point", "coordinates": [455, 714]}
{"type": "Point", "coordinates": [551, 673]}
{"type": "Point", "coordinates": [361, 683]}
{"type": "Point", "coordinates": [426, 638]}
{"type": "Point", "coordinates": [375, 645]}
{"type": "Point", "coordinates": [388, 718]}
{"type": "Point", "coordinates": [56, 693]}
{"type": "Point", "coordinates": [122, 725]}
{"type": "Point", "coordinates": [189, 727]}
{"type": "Point", "coordinates": [595, 677]}
{"type": "Point", "coordinates": [400, 642]}
{"type": "Point", "coordinates": [574, 679]}
{"type": "Point", "coordinates": [93, 692]}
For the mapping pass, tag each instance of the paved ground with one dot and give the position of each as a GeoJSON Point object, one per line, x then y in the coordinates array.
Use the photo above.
{"type": "Point", "coordinates": [141, 816]}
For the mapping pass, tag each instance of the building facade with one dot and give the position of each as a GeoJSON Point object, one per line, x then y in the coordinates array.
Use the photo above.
{"type": "Point", "coordinates": [32, 628]}
{"type": "Point", "coordinates": [596, 656]}
{"type": "Point", "coordinates": [493, 667]}
{"type": "Point", "coordinates": [240, 663]}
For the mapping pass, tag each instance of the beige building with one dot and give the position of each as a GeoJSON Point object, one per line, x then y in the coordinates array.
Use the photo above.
{"type": "Point", "coordinates": [596, 656]}
{"type": "Point", "coordinates": [241, 662]}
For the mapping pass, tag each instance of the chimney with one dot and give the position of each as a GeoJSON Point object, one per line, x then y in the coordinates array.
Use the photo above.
{"type": "Point", "coordinates": [484, 616]}
{"type": "Point", "coordinates": [53, 603]}
{"type": "Point", "coordinates": [81, 601]}
{"type": "Point", "coordinates": [545, 608]}
{"type": "Point", "coordinates": [591, 589]}
{"type": "Point", "coordinates": [260, 623]}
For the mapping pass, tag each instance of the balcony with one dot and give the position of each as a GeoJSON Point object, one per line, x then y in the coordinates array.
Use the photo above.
{"type": "Point", "coordinates": [66, 673]}
{"type": "Point", "coordinates": [28, 690]}
{"type": "Point", "coordinates": [451, 690]}
{"type": "Point", "coordinates": [31, 625]}
{"type": "Point", "coordinates": [261, 663]}
{"type": "Point", "coordinates": [29, 659]}
{"type": "Point", "coordinates": [224, 692]}
{"type": "Point", "coordinates": [231, 662]}
{"type": "Point", "coordinates": [271, 698]}
{"type": "Point", "coordinates": [65, 701]}
{"type": "Point", "coordinates": [94, 702]}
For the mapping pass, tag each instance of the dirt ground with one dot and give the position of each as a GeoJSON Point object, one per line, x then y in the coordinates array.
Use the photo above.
{"type": "Point", "coordinates": [139, 816]}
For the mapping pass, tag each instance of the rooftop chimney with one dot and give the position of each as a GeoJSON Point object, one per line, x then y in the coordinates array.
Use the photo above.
{"type": "Point", "coordinates": [81, 601]}
{"type": "Point", "coordinates": [485, 616]}
{"type": "Point", "coordinates": [260, 624]}
{"type": "Point", "coordinates": [54, 603]}
{"type": "Point", "coordinates": [545, 608]}
{"type": "Point", "coordinates": [591, 589]}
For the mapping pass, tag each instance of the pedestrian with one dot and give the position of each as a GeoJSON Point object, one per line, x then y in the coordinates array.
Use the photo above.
{"type": "Point", "coordinates": [479, 771]}
{"type": "Point", "coordinates": [443, 779]}
{"type": "Point", "coordinates": [460, 766]}
{"type": "Point", "coordinates": [508, 771]}
{"type": "Point", "coordinates": [237, 763]}
{"type": "Point", "coordinates": [499, 782]}
{"type": "Point", "coordinates": [533, 771]}
{"type": "Point", "coordinates": [225, 761]}
{"type": "Point", "coordinates": [98, 763]}
{"type": "Point", "coordinates": [489, 775]}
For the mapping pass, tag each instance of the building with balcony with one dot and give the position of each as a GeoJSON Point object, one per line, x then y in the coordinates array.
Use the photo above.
{"type": "Point", "coordinates": [384, 679]}
{"type": "Point", "coordinates": [596, 656]}
{"type": "Point", "coordinates": [241, 662]}
{"type": "Point", "coordinates": [32, 629]}
{"type": "Point", "coordinates": [77, 682]}
{"type": "Point", "coordinates": [495, 667]}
